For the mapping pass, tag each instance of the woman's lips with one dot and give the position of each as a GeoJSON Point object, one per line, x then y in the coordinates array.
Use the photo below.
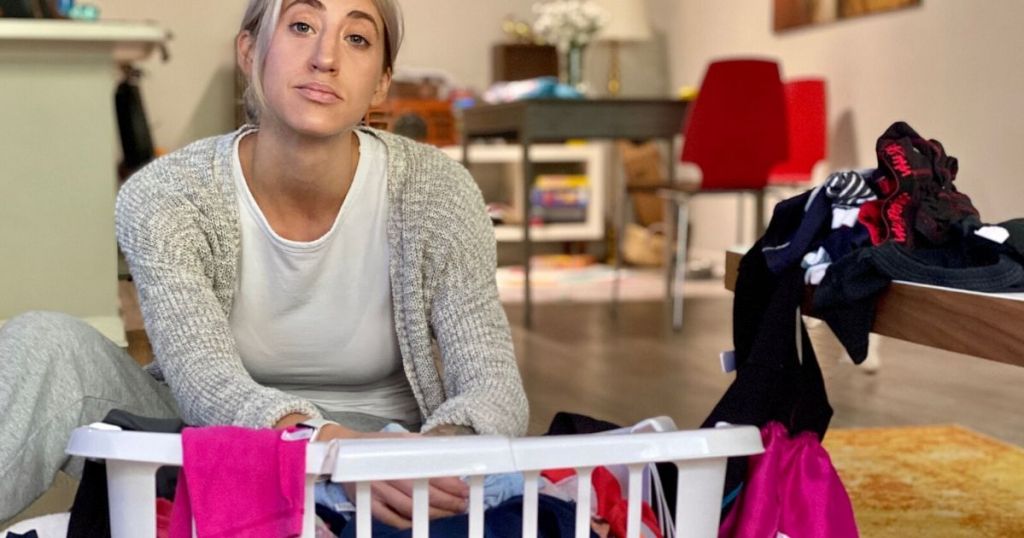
{"type": "Point", "coordinates": [318, 94]}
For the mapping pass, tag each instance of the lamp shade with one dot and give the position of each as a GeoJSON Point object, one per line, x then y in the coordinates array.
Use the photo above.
{"type": "Point", "coordinates": [627, 20]}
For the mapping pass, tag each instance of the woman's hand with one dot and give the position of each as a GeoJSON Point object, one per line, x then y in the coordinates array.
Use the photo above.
{"type": "Point", "coordinates": [392, 499]}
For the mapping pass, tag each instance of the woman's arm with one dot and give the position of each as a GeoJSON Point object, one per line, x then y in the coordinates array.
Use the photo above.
{"type": "Point", "coordinates": [172, 265]}
{"type": "Point", "coordinates": [481, 378]}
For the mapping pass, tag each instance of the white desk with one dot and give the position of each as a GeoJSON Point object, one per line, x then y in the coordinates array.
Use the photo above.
{"type": "Point", "coordinates": [59, 150]}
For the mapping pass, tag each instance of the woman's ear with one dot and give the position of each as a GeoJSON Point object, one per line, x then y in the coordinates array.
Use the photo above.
{"type": "Point", "coordinates": [245, 50]}
{"type": "Point", "coordinates": [383, 86]}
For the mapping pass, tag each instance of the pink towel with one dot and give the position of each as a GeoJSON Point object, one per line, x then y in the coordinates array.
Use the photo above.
{"type": "Point", "coordinates": [238, 482]}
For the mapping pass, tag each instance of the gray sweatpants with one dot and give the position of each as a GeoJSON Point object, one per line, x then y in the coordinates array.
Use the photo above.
{"type": "Point", "coordinates": [58, 373]}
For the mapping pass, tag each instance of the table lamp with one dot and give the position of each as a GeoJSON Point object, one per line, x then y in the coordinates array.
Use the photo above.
{"type": "Point", "coordinates": [627, 21]}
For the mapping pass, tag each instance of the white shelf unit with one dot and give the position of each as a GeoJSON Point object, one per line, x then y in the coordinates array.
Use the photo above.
{"type": "Point", "coordinates": [592, 157]}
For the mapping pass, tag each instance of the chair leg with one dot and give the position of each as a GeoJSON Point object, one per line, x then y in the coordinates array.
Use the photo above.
{"type": "Point", "coordinates": [741, 218]}
{"type": "Point", "coordinates": [682, 228]}
{"type": "Point", "coordinates": [759, 212]}
{"type": "Point", "coordinates": [670, 251]}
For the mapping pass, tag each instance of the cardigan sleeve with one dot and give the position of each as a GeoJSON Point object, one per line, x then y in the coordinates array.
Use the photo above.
{"type": "Point", "coordinates": [158, 229]}
{"type": "Point", "coordinates": [481, 379]}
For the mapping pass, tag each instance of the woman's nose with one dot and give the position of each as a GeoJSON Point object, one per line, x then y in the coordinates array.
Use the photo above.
{"type": "Point", "coordinates": [325, 55]}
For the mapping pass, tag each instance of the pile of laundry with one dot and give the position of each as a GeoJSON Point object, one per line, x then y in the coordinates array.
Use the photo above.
{"type": "Point", "coordinates": [904, 220]}
{"type": "Point", "coordinates": [851, 237]}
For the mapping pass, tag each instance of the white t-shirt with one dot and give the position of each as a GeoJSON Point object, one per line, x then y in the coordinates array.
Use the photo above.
{"type": "Point", "coordinates": [315, 319]}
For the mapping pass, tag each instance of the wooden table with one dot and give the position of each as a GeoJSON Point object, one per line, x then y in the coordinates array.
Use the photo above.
{"type": "Point", "coordinates": [990, 326]}
{"type": "Point", "coordinates": [534, 121]}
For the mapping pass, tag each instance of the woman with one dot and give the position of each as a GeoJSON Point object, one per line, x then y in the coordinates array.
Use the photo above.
{"type": "Point", "coordinates": [296, 270]}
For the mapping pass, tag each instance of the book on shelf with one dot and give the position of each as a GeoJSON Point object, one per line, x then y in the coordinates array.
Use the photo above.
{"type": "Point", "coordinates": [560, 198]}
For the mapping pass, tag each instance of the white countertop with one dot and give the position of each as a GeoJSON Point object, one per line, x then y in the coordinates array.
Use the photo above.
{"type": "Point", "coordinates": [130, 40]}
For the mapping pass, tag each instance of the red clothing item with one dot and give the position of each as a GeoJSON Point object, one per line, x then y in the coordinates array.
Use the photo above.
{"type": "Point", "coordinates": [611, 506]}
{"type": "Point", "coordinates": [164, 509]}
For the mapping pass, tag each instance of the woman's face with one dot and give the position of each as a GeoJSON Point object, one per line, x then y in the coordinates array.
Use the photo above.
{"type": "Point", "coordinates": [324, 68]}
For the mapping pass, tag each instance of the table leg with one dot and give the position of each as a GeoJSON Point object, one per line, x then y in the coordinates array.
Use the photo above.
{"type": "Point", "coordinates": [527, 247]}
{"type": "Point", "coordinates": [619, 218]}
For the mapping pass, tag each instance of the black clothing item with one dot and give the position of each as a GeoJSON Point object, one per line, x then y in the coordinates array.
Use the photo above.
{"type": "Point", "coordinates": [136, 140]}
{"type": "Point", "coordinates": [571, 424]}
{"type": "Point", "coordinates": [555, 519]}
{"type": "Point", "coordinates": [777, 375]}
{"type": "Point", "coordinates": [921, 206]}
{"type": "Point", "coordinates": [848, 295]}
{"type": "Point", "coordinates": [334, 520]}
{"type": "Point", "coordinates": [90, 516]}
{"type": "Point", "coordinates": [29, 534]}
{"type": "Point", "coordinates": [1015, 243]}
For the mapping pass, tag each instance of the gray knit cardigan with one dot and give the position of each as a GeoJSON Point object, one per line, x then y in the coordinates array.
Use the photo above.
{"type": "Point", "coordinates": [177, 224]}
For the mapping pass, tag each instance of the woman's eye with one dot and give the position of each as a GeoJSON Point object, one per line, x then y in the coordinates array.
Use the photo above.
{"type": "Point", "coordinates": [301, 27]}
{"type": "Point", "coordinates": [358, 40]}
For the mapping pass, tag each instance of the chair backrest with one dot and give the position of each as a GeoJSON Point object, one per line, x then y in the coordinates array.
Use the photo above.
{"type": "Point", "coordinates": [806, 109]}
{"type": "Point", "coordinates": [736, 130]}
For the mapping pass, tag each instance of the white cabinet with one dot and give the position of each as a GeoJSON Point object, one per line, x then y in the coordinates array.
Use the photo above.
{"type": "Point", "coordinates": [506, 160]}
{"type": "Point", "coordinates": [58, 149]}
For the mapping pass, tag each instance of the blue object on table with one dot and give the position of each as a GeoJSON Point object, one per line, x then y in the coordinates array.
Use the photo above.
{"type": "Point", "coordinates": [64, 6]}
{"type": "Point", "coordinates": [84, 12]}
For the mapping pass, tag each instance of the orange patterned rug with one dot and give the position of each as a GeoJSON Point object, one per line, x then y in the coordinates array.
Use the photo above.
{"type": "Point", "coordinates": [930, 481]}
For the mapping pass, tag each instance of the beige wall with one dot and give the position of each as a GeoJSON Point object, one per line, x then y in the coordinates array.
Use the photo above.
{"type": "Point", "coordinates": [191, 96]}
{"type": "Point", "coordinates": [951, 68]}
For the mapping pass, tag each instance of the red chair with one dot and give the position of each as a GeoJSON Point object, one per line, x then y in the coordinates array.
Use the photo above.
{"type": "Point", "coordinates": [806, 110]}
{"type": "Point", "coordinates": [736, 134]}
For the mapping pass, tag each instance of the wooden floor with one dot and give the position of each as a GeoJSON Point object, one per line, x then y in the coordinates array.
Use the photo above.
{"type": "Point", "coordinates": [578, 358]}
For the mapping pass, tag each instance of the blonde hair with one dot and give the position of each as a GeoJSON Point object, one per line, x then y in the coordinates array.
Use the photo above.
{"type": "Point", "coordinates": [260, 20]}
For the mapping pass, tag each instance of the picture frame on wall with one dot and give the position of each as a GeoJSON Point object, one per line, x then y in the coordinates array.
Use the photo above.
{"type": "Point", "coordinates": [792, 14]}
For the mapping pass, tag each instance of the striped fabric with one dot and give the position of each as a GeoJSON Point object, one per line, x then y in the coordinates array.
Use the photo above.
{"type": "Point", "coordinates": [848, 189]}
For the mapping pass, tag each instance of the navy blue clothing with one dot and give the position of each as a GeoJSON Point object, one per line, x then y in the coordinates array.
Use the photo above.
{"type": "Point", "coordinates": [805, 221]}
{"type": "Point", "coordinates": [845, 240]}
{"type": "Point", "coordinates": [800, 221]}
{"type": "Point", "coordinates": [555, 519]}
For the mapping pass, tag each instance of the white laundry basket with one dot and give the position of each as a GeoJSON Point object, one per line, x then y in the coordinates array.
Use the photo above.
{"type": "Point", "coordinates": [133, 457]}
